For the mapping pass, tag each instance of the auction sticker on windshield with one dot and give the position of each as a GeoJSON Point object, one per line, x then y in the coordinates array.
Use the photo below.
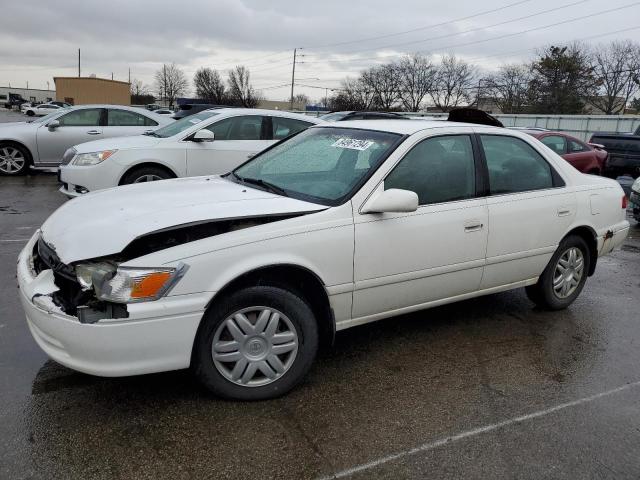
{"type": "Point", "coordinates": [352, 143]}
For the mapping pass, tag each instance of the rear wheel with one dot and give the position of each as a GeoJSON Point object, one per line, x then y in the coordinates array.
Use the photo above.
{"type": "Point", "coordinates": [564, 277]}
{"type": "Point", "coordinates": [255, 344]}
{"type": "Point", "coordinates": [30, 113]}
{"type": "Point", "coordinates": [145, 174]}
{"type": "Point", "coordinates": [14, 159]}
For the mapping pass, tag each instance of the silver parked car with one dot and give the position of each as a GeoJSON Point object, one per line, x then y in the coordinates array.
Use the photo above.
{"type": "Point", "coordinates": [43, 141]}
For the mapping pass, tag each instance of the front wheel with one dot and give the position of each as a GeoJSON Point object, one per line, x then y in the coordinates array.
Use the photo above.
{"type": "Point", "coordinates": [564, 277]}
{"type": "Point", "coordinates": [145, 174]}
{"type": "Point", "coordinates": [255, 344]}
{"type": "Point", "coordinates": [14, 160]}
{"type": "Point", "coordinates": [30, 113]}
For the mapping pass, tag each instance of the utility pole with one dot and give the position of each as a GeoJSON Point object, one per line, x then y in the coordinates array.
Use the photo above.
{"type": "Point", "coordinates": [129, 76]}
{"type": "Point", "coordinates": [111, 75]}
{"type": "Point", "coordinates": [293, 77]}
{"type": "Point", "coordinates": [78, 62]}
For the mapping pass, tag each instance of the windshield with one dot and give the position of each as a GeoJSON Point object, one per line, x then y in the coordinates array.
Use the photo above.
{"type": "Point", "coordinates": [322, 165]}
{"type": "Point", "coordinates": [183, 124]}
{"type": "Point", "coordinates": [334, 117]}
{"type": "Point", "coordinates": [49, 116]}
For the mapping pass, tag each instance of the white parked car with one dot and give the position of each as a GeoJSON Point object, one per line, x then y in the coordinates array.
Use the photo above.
{"type": "Point", "coordinates": [40, 110]}
{"type": "Point", "coordinates": [25, 106]}
{"type": "Point", "coordinates": [240, 277]}
{"type": "Point", "coordinates": [42, 142]}
{"type": "Point", "coordinates": [207, 142]}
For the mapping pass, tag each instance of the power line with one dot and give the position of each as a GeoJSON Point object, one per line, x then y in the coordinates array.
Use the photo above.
{"type": "Point", "coordinates": [435, 25]}
{"type": "Point", "coordinates": [499, 37]}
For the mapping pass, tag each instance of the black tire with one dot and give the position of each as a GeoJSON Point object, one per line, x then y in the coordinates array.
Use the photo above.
{"type": "Point", "coordinates": [24, 158]}
{"type": "Point", "coordinates": [137, 174]}
{"type": "Point", "coordinates": [30, 113]}
{"type": "Point", "coordinates": [292, 306]}
{"type": "Point", "coordinates": [543, 293]}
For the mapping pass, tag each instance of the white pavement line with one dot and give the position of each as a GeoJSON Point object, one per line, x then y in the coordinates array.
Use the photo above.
{"type": "Point", "coordinates": [14, 240]}
{"type": "Point", "coordinates": [476, 431]}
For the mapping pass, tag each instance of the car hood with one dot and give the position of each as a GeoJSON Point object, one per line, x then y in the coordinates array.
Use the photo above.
{"type": "Point", "coordinates": [105, 222]}
{"type": "Point", "coordinates": [118, 143]}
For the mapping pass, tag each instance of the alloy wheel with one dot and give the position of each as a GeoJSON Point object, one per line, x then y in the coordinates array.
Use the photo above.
{"type": "Point", "coordinates": [568, 272]}
{"type": "Point", "coordinates": [254, 346]}
{"type": "Point", "coordinates": [11, 160]}
{"type": "Point", "coordinates": [147, 178]}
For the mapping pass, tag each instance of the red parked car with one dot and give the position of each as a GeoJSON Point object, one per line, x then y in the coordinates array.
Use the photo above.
{"type": "Point", "coordinates": [586, 157]}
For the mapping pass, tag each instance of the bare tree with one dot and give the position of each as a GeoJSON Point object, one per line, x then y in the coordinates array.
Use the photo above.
{"type": "Point", "coordinates": [138, 88]}
{"type": "Point", "coordinates": [416, 77]}
{"type": "Point", "coordinates": [508, 88]}
{"type": "Point", "coordinates": [383, 81]}
{"type": "Point", "coordinates": [453, 83]}
{"type": "Point", "coordinates": [301, 99]}
{"type": "Point", "coordinates": [616, 68]}
{"type": "Point", "coordinates": [241, 92]}
{"type": "Point", "coordinates": [353, 95]}
{"type": "Point", "coordinates": [209, 85]}
{"type": "Point", "coordinates": [171, 82]}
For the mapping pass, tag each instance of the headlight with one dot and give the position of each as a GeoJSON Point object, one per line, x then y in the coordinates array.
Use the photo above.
{"type": "Point", "coordinates": [130, 284]}
{"type": "Point", "coordinates": [87, 273]}
{"type": "Point", "coordinates": [93, 158]}
{"type": "Point", "coordinates": [636, 185]}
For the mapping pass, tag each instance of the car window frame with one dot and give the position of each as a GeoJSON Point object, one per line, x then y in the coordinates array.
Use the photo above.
{"type": "Point", "coordinates": [269, 128]}
{"type": "Point", "coordinates": [565, 139]}
{"type": "Point", "coordinates": [263, 129]}
{"type": "Point", "coordinates": [102, 120]}
{"type": "Point", "coordinates": [480, 180]}
{"type": "Point", "coordinates": [557, 179]}
{"type": "Point", "coordinates": [128, 111]}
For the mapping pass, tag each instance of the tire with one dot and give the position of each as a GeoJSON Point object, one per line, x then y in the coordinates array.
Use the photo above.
{"type": "Point", "coordinates": [544, 294]}
{"type": "Point", "coordinates": [30, 113]}
{"type": "Point", "coordinates": [14, 159]}
{"type": "Point", "coordinates": [241, 376]}
{"type": "Point", "coordinates": [145, 174]}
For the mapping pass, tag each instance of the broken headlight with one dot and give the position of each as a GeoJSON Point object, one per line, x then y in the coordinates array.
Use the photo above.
{"type": "Point", "coordinates": [93, 158]}
{"type": "Point", "coordinates": [128, 284]}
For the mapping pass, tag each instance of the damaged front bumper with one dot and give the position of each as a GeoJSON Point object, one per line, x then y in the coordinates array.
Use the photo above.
{"type": "Point", "coordinates": [156, 336]}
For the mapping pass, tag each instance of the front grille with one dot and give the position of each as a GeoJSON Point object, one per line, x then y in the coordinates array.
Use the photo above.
{"type": "Point", "coordinates": [68, 155]}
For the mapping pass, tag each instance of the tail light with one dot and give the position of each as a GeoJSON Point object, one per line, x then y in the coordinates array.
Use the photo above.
{"type": "Point", "coordinates": [625, 202]}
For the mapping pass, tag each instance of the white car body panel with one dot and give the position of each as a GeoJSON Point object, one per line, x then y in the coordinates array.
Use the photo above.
{"type": "Point", "coordinates": [372, 266]}
{"type": "Point", "coordinates": [182, 157]}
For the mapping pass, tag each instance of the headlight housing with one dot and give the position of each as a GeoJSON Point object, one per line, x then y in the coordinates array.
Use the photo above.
{"type": "Point", "coordinates": [93, 158]}
{"type": "Point", "coordinates": [128, 284]}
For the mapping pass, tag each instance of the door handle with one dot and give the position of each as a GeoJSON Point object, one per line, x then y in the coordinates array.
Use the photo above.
{"type": "Point", "coordinates": [473, 227]}
{"type": "Point", "coordinates": [94, 132]}
{"type": "Point", "coordinates": [563, 212]}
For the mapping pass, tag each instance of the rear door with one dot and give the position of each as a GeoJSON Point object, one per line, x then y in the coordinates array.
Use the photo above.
{"type": "Point", "coordinates": [121, 123]}
{"type": "Point", "coordinates": [77, 126]}
{"type": "Point", "coordinates": [236, 140]}
{"type": "Point", "coordinates": [530, 208]}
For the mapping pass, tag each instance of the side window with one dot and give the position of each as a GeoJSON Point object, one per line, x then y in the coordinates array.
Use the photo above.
{"type": "Point", "coordinates": [555, 143]}
{"type": "Point", "coordinates": [125, 118]}
{"type": "Point", "coordinates": [439, 169]}
{"type": "Point", "coordinates": [89, 117]}
{"type": "Point", "coordinates": [514, 165]}
{"type": "Point", "coordinates": [238, 128]}
{"type": "Point", "coordinates": [283, 127]}
{"type": "Point", "coordinates": [577, 147]}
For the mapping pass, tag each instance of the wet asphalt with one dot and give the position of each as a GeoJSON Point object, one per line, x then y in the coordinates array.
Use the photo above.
{"type": "Point", "coordinates": [486, 388]}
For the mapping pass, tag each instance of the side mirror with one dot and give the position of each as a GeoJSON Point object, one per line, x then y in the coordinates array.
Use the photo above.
{"type": "Point", "coordinates": [203, 135]}
{"type": "Point", "coordinates": [52, 125]}
{"type": "Point", "coordinates": [392, 200]}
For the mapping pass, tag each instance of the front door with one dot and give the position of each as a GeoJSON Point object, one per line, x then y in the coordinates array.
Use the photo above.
{"type": "Point", "coordinates": [77, 126]}
{"type": "Point", "coordinates": [404, 260]}
{"type": "Point", "coordinates": [236, 140]}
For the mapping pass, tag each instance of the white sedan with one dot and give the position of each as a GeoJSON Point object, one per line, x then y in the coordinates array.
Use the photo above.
{"type": "Point", "coordinates": [241, 277]}
{"type": "Point", "coordinates": [208, 142]}
{"type": "Point", "coordinates": [40, 110]}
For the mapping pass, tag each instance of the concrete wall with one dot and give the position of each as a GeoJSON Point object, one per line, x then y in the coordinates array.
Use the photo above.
{"type": "Point", "coordinates": [88, 90]}
{"type": "Point", "coordinates": [29, 94]}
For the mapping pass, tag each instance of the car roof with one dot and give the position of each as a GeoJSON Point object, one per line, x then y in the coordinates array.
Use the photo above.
{"type": "Point", "coordinates": [263, 111]}
{"type": "Point", "coordinates": [403, 127]}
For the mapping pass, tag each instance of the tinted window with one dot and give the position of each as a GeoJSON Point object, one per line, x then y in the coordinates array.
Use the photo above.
{"type": "Point", "coordinates": [238, 128]}
{"type": "Point", "coordinates": [576, 147]}
{"type": "Point", "coordinates": [81, 118]}
{"type": "Point", "coordinates": [125, 118]}
{"type": "Point", "coordinates": [514, 166]}
{"type": "Point", "coordinates": [183, 124]}
{"type": "Point", "coordinates": [284, 127]}
{"type": "Point", "coordinates": [555, 143]}
{"type": "Point", "coordinates": [439, 169]}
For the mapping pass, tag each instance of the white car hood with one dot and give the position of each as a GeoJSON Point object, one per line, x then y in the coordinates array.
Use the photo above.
{"type": "Point", "coordinates": [118, 143]}
{"type": "Point", "coordinates": [105, 222]}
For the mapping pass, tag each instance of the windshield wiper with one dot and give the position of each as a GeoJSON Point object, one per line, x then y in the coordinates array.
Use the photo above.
{"type": "Point", "coordinates": [262, 183]}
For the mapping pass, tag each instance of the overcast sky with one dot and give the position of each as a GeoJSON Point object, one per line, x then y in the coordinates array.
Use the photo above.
{"type": "Point", "coordinates": [39, 39]}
